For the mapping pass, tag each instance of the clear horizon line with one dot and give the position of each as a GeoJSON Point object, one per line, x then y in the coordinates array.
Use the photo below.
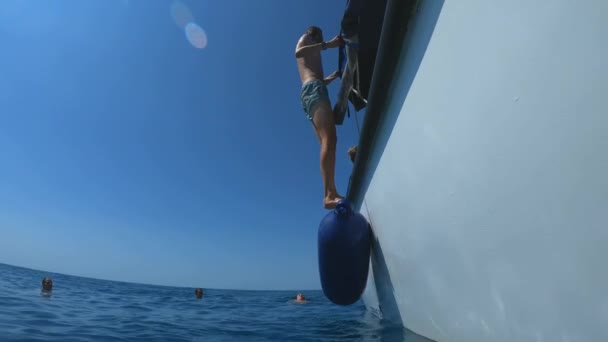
{"type": "Point", "coordinates": [157, 285]}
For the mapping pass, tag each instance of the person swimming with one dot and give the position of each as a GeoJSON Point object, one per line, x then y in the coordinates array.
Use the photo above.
{"type": "Point", "coordinates": [47, 286]}
{"type": "Point", "coordinates": [198, 292]}
{"type": "Point", "coordinates": [300, 298]}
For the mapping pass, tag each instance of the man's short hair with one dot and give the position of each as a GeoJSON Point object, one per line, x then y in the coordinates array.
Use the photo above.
{"type": "Point", "coordinates": [315, 33]}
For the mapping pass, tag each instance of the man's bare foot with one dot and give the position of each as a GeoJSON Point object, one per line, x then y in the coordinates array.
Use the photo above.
{"type": "Point", "coordinates": [352, 153]}
{"type": "Point", "coordinates": [330, 202]}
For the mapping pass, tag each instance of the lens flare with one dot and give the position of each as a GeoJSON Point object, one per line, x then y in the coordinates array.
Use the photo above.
{"type": "Point", "coordinates": [196, 35]}
{"type": "Point", "coordinates": [183, 18]}
{"type": "Point", "coordinates": [181, 14]}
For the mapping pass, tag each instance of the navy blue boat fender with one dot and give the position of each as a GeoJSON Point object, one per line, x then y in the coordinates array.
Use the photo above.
{"type": "Point", "coordinates": [344, 250]}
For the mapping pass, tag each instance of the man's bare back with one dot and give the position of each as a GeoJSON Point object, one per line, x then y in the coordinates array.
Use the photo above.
{"type": "Point", "coordinates": [309, 64]}
{"type": "Point", "coordinates": [308, 56]}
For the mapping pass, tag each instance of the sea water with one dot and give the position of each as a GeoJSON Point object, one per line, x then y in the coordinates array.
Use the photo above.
{"type": "Point", "coordinates": [84, 309]}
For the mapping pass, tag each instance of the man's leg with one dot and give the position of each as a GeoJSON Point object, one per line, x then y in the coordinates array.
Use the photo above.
{"type": "Point", "coordinates": [325, 128]}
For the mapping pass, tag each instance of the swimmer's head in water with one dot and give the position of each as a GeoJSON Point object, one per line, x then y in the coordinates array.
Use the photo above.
{"type": "Point", "coordinates": [315, 34]}
{"type": "Point", "coordinates": [47, 284]}
{"type": "Point", "coordinates": [300, 297]}
{"type": "Point", "coordinates": [198, 292]}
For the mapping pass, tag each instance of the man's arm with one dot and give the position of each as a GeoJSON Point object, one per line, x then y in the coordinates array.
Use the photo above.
{"type": "Point", "coordinates": [302, 50]}
{"type": "Point", "coordinates": [331, 77]}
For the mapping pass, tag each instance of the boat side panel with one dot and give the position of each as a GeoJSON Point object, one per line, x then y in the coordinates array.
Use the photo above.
{"type": "Point", "coordinates": [489, 198]}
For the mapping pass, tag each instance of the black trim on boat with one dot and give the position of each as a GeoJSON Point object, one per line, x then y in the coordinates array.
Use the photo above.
{"type": "Point", "coordinates": [396, 19]}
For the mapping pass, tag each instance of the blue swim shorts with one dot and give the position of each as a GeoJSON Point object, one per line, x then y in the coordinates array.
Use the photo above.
{"type": "Point", "coordinates": [313, 93]}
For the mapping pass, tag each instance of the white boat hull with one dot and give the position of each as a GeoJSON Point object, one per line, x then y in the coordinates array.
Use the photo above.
{"type": "Point", "coordinates": [488, 191]}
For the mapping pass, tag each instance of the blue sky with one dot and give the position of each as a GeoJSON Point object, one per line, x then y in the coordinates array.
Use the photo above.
{"type": "Point", "coordinates": [128, 154]}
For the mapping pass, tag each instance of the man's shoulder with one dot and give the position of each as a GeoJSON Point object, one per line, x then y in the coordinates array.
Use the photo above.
{"type": "Point", "coordinates": [300, 42]}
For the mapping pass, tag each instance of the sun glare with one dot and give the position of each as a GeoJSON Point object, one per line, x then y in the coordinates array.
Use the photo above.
{"type": "Point", "coordinates": [183, 18]}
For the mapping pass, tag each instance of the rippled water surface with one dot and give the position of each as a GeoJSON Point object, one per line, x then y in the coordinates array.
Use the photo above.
{"type": "Point", "coordinates": [83, 309]}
